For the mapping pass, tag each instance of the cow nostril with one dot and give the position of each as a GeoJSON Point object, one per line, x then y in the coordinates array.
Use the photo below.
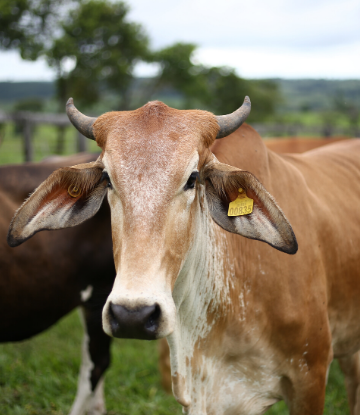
{"type": "Point", "coordinates": [113, 320]}
{"type": "Point", "coordinates": [140, 323]}
{"type": "Point", "coordinates": [153, 319]}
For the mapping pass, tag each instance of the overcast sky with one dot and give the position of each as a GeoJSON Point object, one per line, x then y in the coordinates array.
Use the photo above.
{"type": "Point", "coordinates": [260, 38]}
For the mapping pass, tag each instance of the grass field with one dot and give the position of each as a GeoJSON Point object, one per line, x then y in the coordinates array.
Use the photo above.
{"type": "Point", "coordinates": [39, 376]}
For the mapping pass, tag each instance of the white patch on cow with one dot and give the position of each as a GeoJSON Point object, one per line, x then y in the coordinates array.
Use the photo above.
{"type": "Point", "coordinates": [241, 390]}
{"type": "Point", "coordinates": [96, 403]}
{"type": "Point", "coordinates": [87, 293]}
{"type": "Point", "coordinates": [86, 401]}
{"type": "Point", "coordinates": [192, 294]}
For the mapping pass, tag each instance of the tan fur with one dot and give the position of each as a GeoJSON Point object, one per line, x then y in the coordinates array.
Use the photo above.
{"type": "Point", "coordinates": [151, 117]}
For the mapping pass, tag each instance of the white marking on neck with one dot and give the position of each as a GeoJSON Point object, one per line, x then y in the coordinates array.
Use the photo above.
{"type": "Point", "coordinates": [206, 380]}
{"type": "Point", "coordinates": [201, 289]}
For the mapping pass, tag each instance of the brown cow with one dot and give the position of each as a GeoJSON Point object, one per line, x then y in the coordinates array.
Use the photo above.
{"type": "Point", "coordinates": [247, 324]}
{"type": "Point", "coordinates": [298, 144]}
{"type": "Point", "coordinates": [279, 145]}
{"type": "Point", "coordinates": [43, 280]}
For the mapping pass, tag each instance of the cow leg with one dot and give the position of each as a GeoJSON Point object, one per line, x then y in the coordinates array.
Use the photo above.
{"type": "Point", "coordinates": [350, 366]}
{"type": "Point", "coordinates": [95, 360]}
{"type": "Point", "coordinates": [306, 396]}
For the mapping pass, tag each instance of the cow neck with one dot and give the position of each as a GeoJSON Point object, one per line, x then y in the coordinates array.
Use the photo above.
{"type": "Point", "coordinates": [211, 277]}
{"type": "Point", "coordinates": [202, 298]}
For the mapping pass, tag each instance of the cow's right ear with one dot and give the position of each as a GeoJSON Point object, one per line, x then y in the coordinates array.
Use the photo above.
{"type": "Point", "coordinates": [68, 197]}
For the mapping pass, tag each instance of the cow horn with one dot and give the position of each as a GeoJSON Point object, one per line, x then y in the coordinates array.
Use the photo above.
{"type": "Point", "coordinates": [231, 122]}
{"type": "Point", "coordinates": [80, 121]}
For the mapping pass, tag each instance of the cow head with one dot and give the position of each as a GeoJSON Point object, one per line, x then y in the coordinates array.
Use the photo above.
{"type": "Point", "coordinates": [162, 182]}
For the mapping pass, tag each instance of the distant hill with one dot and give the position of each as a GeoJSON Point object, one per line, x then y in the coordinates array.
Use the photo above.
{"type": "Point", "coordinates": [14, 91]}
{"type": "Point", "coordinates": [298, 94]}
{"type": "Point", "coordinates": [317, 94]}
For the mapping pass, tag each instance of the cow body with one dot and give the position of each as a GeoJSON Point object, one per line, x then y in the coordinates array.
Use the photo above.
{"type": "Point", "coordinates": [280, 319]}
{"type": "Point", "coordinates": [247, 324]}
{"type": "Point", "coordinates": [55, 272]}
{"type": "Point", "coordinates": [298, 144]}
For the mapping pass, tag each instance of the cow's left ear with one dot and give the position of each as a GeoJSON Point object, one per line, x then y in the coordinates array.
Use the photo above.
{"type": "Point", "coordinates": [266, 222]}
{"type": "Point", "coordinates": [68, 197]}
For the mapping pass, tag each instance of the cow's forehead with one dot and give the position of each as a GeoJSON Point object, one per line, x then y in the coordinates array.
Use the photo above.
{"type": "Point", "coordinates": [148, 151]}
{"type": "Point", "coordinates": [157, 125]}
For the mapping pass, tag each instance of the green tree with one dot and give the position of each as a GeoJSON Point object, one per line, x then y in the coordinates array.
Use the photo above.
{"type": "Point", "coordinates": [218, 89]}
{"type": "Point", "coordinates": [178, 71]}
{"type": "Point", "coordinates": [94, 34]}
{"type": "Point", "coordinates": [350, 110]}
{"type": "Point", "coordinates": [11, 12]}
{"type": "Point", "coordinates": [105, 47]}
{"type": "Point", "coordinates": [29, 25]}
{"type": "Point", "coordinates": [227, 90]}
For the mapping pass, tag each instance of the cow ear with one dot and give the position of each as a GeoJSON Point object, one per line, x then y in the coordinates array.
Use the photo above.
{"type": "Point", "coordinates": [68, 197]}
{"type": "Point", "coordinates": [266, 222]}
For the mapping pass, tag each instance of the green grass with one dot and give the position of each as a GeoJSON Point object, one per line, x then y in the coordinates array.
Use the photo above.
{"type": "Point", "coordinates": [39, 376]}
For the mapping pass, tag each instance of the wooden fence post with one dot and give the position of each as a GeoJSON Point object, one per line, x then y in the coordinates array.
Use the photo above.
{"type": "Point", "coordinates": [28, 147]}
{"type": "Point", "coordinates": [81, 142]}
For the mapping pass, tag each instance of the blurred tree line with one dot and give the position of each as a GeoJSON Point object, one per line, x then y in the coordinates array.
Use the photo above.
{"type": "Point", "coordinates": [93, 48]}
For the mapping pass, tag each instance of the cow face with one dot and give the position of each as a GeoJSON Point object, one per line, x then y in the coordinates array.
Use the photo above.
{"type": "Point", "coordinates": [163, 184]}
{"type": "Point", "coordinates": [152, 157]}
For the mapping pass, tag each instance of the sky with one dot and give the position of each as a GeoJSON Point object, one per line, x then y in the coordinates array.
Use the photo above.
{"type": "Point", "coordinates": [259, 38]}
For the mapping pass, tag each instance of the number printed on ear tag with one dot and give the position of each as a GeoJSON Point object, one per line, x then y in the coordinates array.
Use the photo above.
{"type": "Point", "coordinates": [242, 205]}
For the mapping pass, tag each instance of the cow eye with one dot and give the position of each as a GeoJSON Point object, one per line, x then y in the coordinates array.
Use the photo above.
{"type": "Point", "coordinates": [106, 177]}
{"type": "Point", "coordinates": [190, 184]}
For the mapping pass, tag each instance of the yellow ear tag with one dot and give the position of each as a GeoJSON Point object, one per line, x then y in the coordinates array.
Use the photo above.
{"type": "Point", "coordinates": [242, 205]}
{"type": "Point", "coordinates": [74, 191]}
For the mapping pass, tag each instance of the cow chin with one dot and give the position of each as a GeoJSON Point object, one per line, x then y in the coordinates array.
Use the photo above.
{"type": "Point", "coordinates": [147, 317]}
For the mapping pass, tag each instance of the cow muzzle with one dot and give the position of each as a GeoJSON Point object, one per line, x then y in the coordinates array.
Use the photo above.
{"type": "Point", "coordinates": [141, 323]}
{"type": "Point", "coordinates": [145, 316]}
